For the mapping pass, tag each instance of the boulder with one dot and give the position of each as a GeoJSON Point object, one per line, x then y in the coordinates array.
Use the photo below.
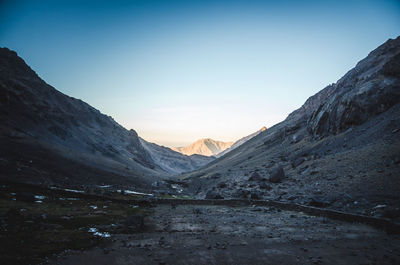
{"type": "Point", "coordinates": [277, 175]}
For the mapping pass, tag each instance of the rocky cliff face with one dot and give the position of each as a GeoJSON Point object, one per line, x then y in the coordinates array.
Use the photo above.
{"type": "Point", "coordinates": [371, 88]}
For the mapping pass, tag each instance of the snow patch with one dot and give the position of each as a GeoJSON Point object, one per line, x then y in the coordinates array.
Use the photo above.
{"type": "Point", "coordinates": [135, 192]}
{"type": "Point", "coordinates": [76, 191]}
{"type": "Point", "coordinates": [97, 233]}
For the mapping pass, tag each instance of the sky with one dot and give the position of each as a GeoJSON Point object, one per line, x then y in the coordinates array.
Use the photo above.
{"type": "Point", "coordinates": [178, 71]}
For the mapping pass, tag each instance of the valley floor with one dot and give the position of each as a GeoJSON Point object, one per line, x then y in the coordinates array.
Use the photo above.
{"type": "Point", "coordinates": [187, 234]}
{"type": "Point", "coordinates": [52, 226]}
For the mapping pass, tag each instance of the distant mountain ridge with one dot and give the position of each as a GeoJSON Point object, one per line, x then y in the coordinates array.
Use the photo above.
{"type": "Point", "coordinates": [172, 161]}
{"type": "Point", "coordinates": [205, 147]}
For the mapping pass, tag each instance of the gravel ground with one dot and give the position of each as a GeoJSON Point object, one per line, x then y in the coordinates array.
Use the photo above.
{"type": "Point", "coordinates": [188, 234]}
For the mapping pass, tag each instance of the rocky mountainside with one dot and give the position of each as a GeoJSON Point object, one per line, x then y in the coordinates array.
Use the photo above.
{"type": "Point", "coordinates": [49, 137]}
{"type": "Point", "coordinates": [205, 147]}
{"type": "Point", "coordinates": [241, 141]}
{"type": "Point", "coordinates": [341, 149]}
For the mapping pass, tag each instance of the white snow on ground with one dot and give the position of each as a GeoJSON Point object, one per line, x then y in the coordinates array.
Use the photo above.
{"type": "Point", "coordinates": [97, 233]}
{"type": "Point", "coordinates": [104, 186]}
{"type": "Point", "coordinates": [77, 191]}
{"type": "Point", "coordinates": [135, 192]}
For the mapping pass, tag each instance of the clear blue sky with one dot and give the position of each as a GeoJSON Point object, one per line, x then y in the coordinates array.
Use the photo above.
{"type": "Point", "coordinates": [177, 71]}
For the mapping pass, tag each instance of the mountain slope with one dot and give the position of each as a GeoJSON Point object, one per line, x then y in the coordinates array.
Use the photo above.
{"type": "Point", "coordinates": [39, 119]}
{"type": "Point", "coordinates": [340, 149]}
{"type": "Point", "coordinates": [241, 141]}
{"type": "Point", "coordinates": [172, 161]}
{"type": "Point", "coordinates": [205, 147]}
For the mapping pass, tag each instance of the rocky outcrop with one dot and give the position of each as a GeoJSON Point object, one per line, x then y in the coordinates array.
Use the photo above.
{"type": "Point", "coordinates": [367, 90]}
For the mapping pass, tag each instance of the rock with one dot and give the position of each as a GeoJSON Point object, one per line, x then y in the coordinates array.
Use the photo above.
{"type": "Point", "coordinates": [320, 202]}
{"type": "Point", "coordinates": [25, 197]}
{"type": "Point", "coordinates": [269, 164]}
{"type": "Point", "coordinates": [297, 162]}
{"type": "Point", "coordinates": [295, 139]}
{"type": "Point", "coordinates": [215, 175]}
{"type": "Point", "coordinates": [256, 177]}
{"type": "Point", "coordinates": [222, 185]}
{"type": "Point", "coordinates": [264, 186]}
{"type": "Point", "coordinates": [213, 195]}
{"type": "Point", "coordinates": [241, 194]}
{"type": "Point", "coordinates": [135, 222]}
{"type": "Point", "coordinates": [277, 175]}
{"type": "Point", "coordinates": [255, 195]}
{"type": "Point", "coordinates": [197, 211]}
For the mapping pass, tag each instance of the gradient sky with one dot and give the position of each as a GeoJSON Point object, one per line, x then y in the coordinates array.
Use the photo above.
{"type": "Point", "coordinates": [177, 71]}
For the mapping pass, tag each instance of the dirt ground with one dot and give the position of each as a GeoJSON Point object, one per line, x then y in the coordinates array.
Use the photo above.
{"type": "Point", "coordinates": [188, 234]}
